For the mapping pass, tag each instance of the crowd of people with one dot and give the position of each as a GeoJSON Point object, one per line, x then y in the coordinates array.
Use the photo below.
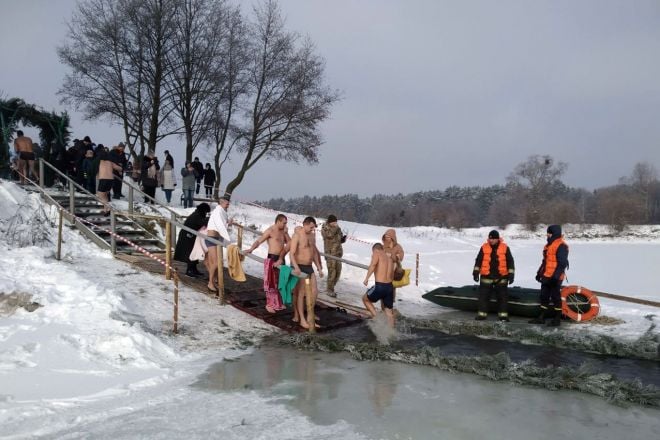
{"type": "Point", "coordinates": [82, 162]}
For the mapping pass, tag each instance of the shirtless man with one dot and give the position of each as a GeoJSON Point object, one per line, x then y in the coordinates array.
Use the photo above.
{"type": "Point", "coordinates": [382, 267]}
{"type": "Point", "coordinates": [278, 240]}
{"type": "Point", "coordinates": [106, 180]}
{"type": "Point", "coordinates": [303, 252]}
{"type": "Point", "coordinates": [23, 146]}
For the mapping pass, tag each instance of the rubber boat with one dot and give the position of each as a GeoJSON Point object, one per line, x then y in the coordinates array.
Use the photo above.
{"type": "Point", "coordinates": [578, 303]}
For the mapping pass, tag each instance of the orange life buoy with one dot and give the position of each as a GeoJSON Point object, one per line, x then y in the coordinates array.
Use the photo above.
{"type": "Point", "coordinates": [579, 303]}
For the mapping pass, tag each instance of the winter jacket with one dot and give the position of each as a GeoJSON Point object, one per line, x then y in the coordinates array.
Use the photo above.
{"type": "Point", "coordinates": [332, 238]}
{"type": "Point", "coordinates": [209, 177]}
{"type": "Point", "coordinates": [167, 176]}
{"type": "Point", "coordinates": [188, 180]}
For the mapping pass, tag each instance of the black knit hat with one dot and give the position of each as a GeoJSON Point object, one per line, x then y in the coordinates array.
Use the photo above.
{"type": "Point", "coordinates": [494, 234]}
{"type": "Point", "coordinates": [332, 218]}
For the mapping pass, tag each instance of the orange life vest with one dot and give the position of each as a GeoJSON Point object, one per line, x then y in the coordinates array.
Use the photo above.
{"type": "Point", "coordinates": [501, 259]}
{"type": "Point", "coordinates": [550, 255]}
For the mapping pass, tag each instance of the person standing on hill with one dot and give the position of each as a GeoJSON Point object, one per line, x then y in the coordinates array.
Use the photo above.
{"type": "Point", "coordinates": [149, 176]}
{"type": "Point", "coordinates": [167, 180]}
{"type": "Point", "coordinates": [209, 180]}
{"type": "Point", "coordinates": [551, 273]}
{"type": "Point", "coordinates": [332, 245]}
{"type": "Point", "coordinates": [199, 173]}
{"type": "Point", "coordinates": [495, 265]}
{"type": "Point", "coordinates": [189, 175]}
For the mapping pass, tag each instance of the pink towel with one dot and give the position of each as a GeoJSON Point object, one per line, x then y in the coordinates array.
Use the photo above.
{"type": "Point", "coordinates": [271, 276]}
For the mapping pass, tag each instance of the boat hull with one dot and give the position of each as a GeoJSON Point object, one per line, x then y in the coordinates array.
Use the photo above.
{"type": "Point", "coordinates": [522, 301]}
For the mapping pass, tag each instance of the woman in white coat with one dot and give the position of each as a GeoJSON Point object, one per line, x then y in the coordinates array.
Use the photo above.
{"type": "Point", "coordinates": [167, 180]}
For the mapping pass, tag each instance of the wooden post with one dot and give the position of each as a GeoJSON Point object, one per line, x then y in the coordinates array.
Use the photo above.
{"type": "Point", "coordinates": [59, 234]}
{"type": "Point", "coordinates": [173, 227]}
{"type": "Point", "coordinates": [311, 319]}
{"type": "Point", "coordinates": [176, 302]}
{"type": "Point", "coordinates": [221, 275]}
{"type": "Point", "coordinates": [168, 250]}
{"type": "Point", "coordinates": [42, 174]}
{"type": "Point", "coordinates": [130, 199]}
{"type": "Point", "coordinates": [417, 270]}
{"type": "Point", "coordinates": [239, 239]}
{"type": "Point", "coordinates": [72, 201]}
{"type": "Point", "coordinates": [113, 240]}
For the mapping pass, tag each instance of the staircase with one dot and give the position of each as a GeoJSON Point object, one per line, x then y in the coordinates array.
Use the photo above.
{"type": "Point", "coordinates": [90, 209]}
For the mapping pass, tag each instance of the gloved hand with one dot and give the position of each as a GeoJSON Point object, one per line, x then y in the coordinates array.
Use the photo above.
{"type": "Point", "coordinates": [539, 278]}
{"type": "Point", "coordinates": [475, 276]}
{"type": "Point", "coordinates": [510, 278]}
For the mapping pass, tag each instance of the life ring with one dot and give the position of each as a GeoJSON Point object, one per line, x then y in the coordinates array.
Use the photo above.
{"type": "Point", "coordinates": [579, 303]}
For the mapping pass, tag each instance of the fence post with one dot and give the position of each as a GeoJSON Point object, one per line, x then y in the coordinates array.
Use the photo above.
{"type": "Point", "coordinates": [221, 274]}
{"type": "Point", "coordinates": [176, 303]}
{"type": "Point", "coordinates": [417, 270]}
{"type": "Point", "coordinates": [113, 240]}
{"type": "Point", "coordinates": [72, 198]}
{"type": "Point", "coordinates": [173, 228]}
{"type": "Point", "coordinates": [130, 199]}
{"type": "Point", "coordinates": [311, 319]}
{"type": "Point", "coordinates": [168, 250]}
{"type": "Point", "coordinates": [239, 239]}
{"type": "Point", "coordinates": [59, 234]}
{"type": "Point", "coordinates": [42, 181]}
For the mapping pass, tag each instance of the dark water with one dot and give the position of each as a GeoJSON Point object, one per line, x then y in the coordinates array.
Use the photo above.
{"type": "Point", "coordinates": [398, 401]}
{"type": "Point", "coordinates": [647, 371]}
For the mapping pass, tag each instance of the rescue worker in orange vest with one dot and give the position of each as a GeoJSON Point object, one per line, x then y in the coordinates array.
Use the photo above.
{"type": "Point", "coordinates": [550, 275]}
{"type": "Point", "coordinates": [495, 265]}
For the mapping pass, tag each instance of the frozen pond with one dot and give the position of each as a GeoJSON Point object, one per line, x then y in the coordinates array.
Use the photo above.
{"type": "Point", "coordinates": [399, 401]}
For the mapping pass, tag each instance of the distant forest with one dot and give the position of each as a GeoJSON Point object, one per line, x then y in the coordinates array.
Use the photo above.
{"type": "Point", "coordinates": [533, 194]}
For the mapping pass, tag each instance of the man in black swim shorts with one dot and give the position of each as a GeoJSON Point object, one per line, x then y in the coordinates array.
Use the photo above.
{"type": "Point", "coordinates": [383, 269]}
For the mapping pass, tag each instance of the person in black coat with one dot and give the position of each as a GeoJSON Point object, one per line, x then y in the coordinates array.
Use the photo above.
{"type": "Point", "coordinates": [209, 180]}
{"type": "Point", "coordinates": [186, 240]}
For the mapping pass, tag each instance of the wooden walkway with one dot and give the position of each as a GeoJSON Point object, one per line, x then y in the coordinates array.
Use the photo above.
{"type": "Point", "coordinates": [249, 297]}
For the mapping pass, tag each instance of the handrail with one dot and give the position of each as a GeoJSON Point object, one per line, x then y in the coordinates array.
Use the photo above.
{"type": "Point", "coordinates": [215, 240]}
{"type": "Point", "coordinates": [70, 180]}
{"type": "Point", "coordinates": [331, 257]}
{"type": "Point", "coordinates": [134, 187]}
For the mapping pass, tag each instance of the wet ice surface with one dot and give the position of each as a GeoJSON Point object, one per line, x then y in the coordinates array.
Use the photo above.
{"type": "Point", "coordinates": [396, 401]}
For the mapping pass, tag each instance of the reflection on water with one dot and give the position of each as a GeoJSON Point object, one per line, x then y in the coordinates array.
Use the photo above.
{"type": "Point", "coordinates": [394, 400]}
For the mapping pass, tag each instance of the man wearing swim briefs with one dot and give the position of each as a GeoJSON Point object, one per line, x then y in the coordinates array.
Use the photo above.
{"type": "Point", "coordinates": [25, 149]}
{"type": "Point", "coordinates": [278, 241]}
{"type": "Point", "coordinates": [303, 253]}
{"type": "Point", "coordinates": [382, 267]}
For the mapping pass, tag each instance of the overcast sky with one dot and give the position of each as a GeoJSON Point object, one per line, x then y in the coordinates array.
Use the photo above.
{"type": "Point", "coordinates": [435, 93]}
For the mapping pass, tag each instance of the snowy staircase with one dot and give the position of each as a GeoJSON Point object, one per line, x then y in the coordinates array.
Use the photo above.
{"type": "Point", "coordinates": [97, 227]}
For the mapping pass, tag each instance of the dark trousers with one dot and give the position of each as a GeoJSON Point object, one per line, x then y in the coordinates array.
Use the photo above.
{"type": "Point", "coordinates": [209, 191]}
{"type": "Point", "coordinates": [150, 191]}
{"type": "Point", "coordinates": [199, 183]}
{"type": "Point", "coordinates": [501, 291]}
{"type": "Point", "coordinates": [116, 187]}
{"type": "Point", "coordinates": [551, 292]}
{"type": "Point", "coordinates": [90, 184]}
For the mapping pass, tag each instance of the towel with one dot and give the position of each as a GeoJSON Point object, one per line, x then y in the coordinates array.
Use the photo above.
{"type": "Point", "coordinates": [286, 283]}
{"type": "Point", "coordinates": [199, 249]}
{"type": "Point", "coordinates": [234, 263]}
{"type": "Point", "coordinates": [271, 274]}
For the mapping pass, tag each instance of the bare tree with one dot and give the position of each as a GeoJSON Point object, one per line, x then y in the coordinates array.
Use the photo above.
{"type": "Point", "coordinates": [201, 33]}
{"type": "Point", "coordinates": [116, 51]}
{"type": "Point", "coordinates": [286, 97]}
{"type": "Point", "coordinates": [644, 180]}
{"type": "Point", "coordinates": [536, 179]}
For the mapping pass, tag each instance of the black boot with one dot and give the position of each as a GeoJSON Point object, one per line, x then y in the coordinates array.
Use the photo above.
{"type": "Point", "coordinates": [556, 320]}
{"type": "Point", "coordinates": [538, 320]}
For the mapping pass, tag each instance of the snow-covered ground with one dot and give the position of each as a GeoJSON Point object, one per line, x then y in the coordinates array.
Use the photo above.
{"type": "Point", "coordinates": [100, 350]}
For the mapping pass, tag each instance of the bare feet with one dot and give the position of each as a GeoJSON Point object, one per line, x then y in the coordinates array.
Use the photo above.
{"type": "Point", "coordinates": [269, 309]}
{"type": "Point", "coordinates": [295, 319]}
{"type": "Point", "coordinates": [305, 325]}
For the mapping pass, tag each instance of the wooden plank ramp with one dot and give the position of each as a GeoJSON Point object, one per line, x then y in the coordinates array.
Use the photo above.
{"type": "Point", "coordinates": [249, 297]}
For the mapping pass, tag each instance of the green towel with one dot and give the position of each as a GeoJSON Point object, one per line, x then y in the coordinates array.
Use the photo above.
{"type": "Point", "coordinates": [286, 283]}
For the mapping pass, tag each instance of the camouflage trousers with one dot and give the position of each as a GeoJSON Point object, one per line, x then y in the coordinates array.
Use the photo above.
{"type": "Point", "coordinates": [334, 271]}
